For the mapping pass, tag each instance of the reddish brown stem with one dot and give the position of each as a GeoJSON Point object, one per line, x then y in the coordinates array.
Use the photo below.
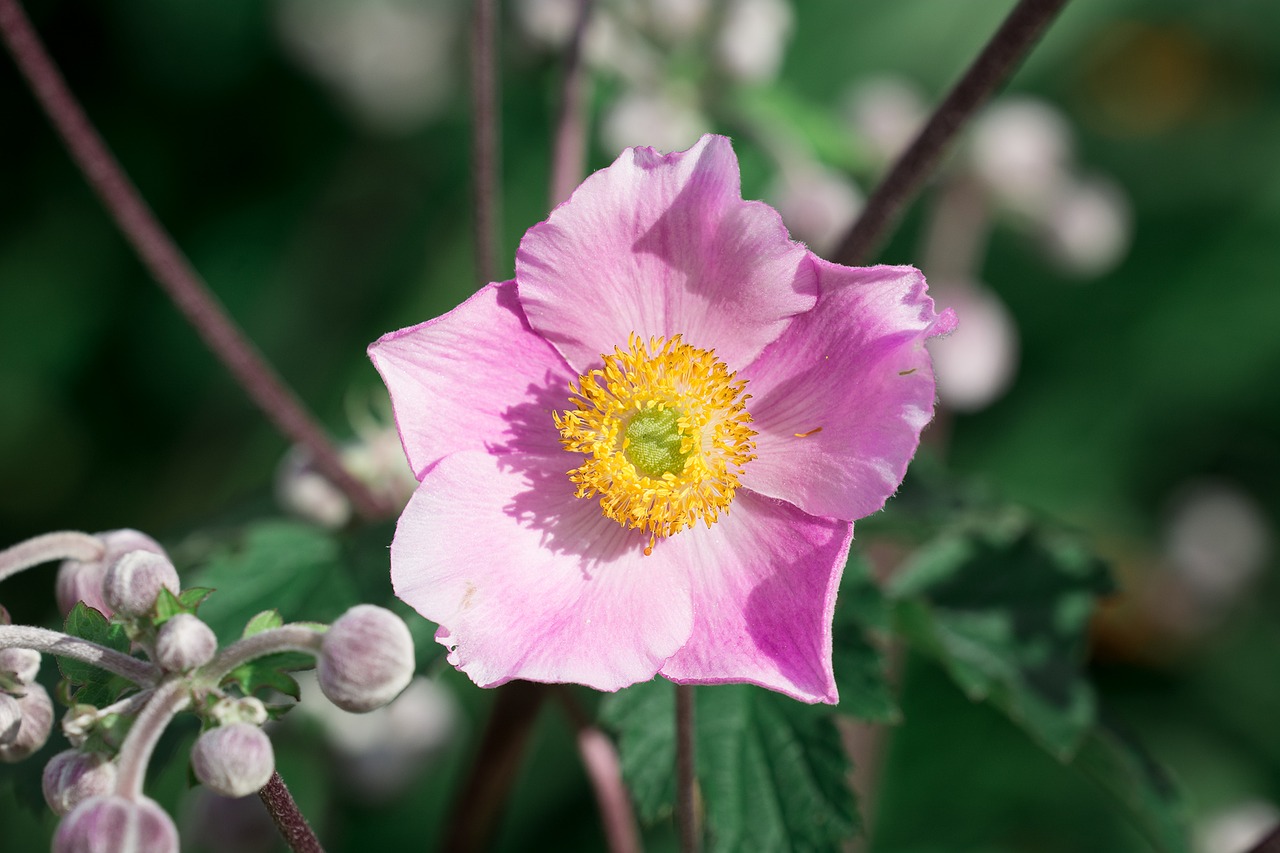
{"type": "Point", "coordinates": [569, 159]}
{"type": "Point", "coordinates": [486, 134]}
{"type": "Point", "coordinates": [997, 61]}
{"type": "Point", "coordinates": [293, 827]}
{"type": "Point", "coordinates": [165, 261]}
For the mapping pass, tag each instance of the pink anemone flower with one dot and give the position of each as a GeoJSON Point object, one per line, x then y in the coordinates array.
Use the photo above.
{"type": "Point", "coordinates": [645, 454]}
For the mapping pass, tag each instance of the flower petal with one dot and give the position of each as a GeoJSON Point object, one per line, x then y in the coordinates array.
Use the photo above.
{"type": "Point", "coordinates": [663, 245]}
{"type": "Point", "coordinates": [475, 378]}
{"type": "Point", "coordinates": [840, 399]}
{"type": "Point", "coordinates": [764, 592]}
{"type": "Point", "coordinates": [527, 581]}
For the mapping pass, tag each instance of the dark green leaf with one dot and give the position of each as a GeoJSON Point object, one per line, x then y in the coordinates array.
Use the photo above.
{"type": "Point", "coordinates": [772, 771]}
{"type": "Point", "coordinates": [167, 606]}
{"type": "Point", "coordinates": [87, 623]}
{"type": "Point", "coordinates": [1117, 762]}
{"type": "Point", "coordinates": [271, 672]}
{"type": "Point", "coordinates": [264, 621]}
{"type": "Point", "coordinates": [1005, 608]}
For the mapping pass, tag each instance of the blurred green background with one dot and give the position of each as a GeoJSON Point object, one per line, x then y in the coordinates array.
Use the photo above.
{"type": "Point", "coordinates": [326, 212]}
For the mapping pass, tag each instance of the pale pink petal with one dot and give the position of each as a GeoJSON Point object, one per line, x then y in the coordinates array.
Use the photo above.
{"type": "Point", "coordinates": [839, 400]}
{"type": "Point", "coordinates": [477, 378]}
{"type": "Point", "coordinates": [663, 245]}
{"type": "Point", "coordinates": [527, 581]}
{"type": "Point", "coordinates": [764, 592]}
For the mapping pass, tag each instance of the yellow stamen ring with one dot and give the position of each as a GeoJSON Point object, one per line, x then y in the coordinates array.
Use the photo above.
{"type": "Point", "coordinates": [665, 431]}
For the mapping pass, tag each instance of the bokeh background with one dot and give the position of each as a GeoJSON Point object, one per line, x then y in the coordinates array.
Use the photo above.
{"type": "Point", "coordinates": [1109, 232]}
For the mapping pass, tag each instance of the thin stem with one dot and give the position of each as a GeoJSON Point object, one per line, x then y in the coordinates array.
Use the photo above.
{"type": "Point", "coordinates": [569, 159]}
{"type": "Point", "coordinates": [485, 165]}
{"type": "Point", "coordinates": [686, 772]}
{"type": "Point", "coordinates": [64, 645]}
{"type": "Point", "coordinates": [170, 268]}
{"type": "Point", "coordinates": [1001, 56]}
{"type": "Point", "coordinates": [135, 753]}
{"type": "Point", "coordinates": [493, 771]}
{"type": "Point", "coordinates": [296, 638]}
{"type": "Point", "coordinates": [604, 770]}
{"type": "Point", "coordinates": [63, 545]}
{"type": "Point", "coordinates": [295, 830]}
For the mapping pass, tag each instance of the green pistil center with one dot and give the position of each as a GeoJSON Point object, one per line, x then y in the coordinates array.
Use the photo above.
{"type": "Point", "coordinates": [653, 442]}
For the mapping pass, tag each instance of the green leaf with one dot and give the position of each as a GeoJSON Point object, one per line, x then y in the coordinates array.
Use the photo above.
{"type": "Point", "coordinates": [88, 624]}
{"type": "Point", "coordinates": [772, 771]}
{"type": "Point", "coordinates": [169, 605]}
{"type": "Point", "coordinates": [293, 567]}
{"type": "Point", "coordinates": [860, 666]}
{"type": "Point", "coordinates": [264, 621]}
{"type": "Point", "coordinates": [1005, 608]}
{"type": "Point", "coordinates": [271, 672]}
{"type": "Point", "coordinates": [1117, 762]}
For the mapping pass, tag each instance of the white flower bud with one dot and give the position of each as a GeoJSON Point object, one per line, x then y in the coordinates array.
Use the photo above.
{"type": "Point", "coordinates": [134, 581]}
{"type": "Point", "coordinates": [72, 777]}
{"type": "Point", "coordinates": [366, 658]}
{"type": "Point", "coordinates": [246, 709]}
{"type": "Point", "coordinates": [234, 760]}
{"type": "Point", "coordinates": [118, 825]}
{"type": "Point", "coordinates": [78, 722]}
{"type": "Point", "coordinates": [10, 719]}
{"type": "Point", "coordinates": [23, 663]}
{"type": "Point", "coordinates": [82, 580]}
{"type": "Point", "coordinates": [184, 643]}
{"type": "Point", "coordinates": [33, 731]}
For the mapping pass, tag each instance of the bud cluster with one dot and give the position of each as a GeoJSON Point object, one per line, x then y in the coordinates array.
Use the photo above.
{"type": "Point", "coordinates": [127, 614]}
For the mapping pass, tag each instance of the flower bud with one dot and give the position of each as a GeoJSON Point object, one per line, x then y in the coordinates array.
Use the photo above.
{"type": "Point", "coordinates": [81, 580]}
{"type": "Point", "coordinates": [33, 731]}
{"type": "Point", "coordinates": [184, 643]}
{"type": "Point", "coordinates": [118, 825]}
{"type": "Point", "coordinates": [10, 719]}
{"type": "Point", "coordinates": [366, 659]}
{"type": "Point", "coordinates": [73, 776]}
{"type": "Point", "coordinates": [134, 581]}
{"type": "Point", "coordinates": [24, 664]}
{"type": "Point", "coordinates": [234, 760]}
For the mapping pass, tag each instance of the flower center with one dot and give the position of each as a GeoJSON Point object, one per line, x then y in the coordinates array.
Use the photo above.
{"type": "Point", "coordinates": [665, 432]}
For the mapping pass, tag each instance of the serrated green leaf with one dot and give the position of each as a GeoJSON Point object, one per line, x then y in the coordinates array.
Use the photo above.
{"type": "Point", "coordinates": [264, 621]}
{"type": "Point", "coordinates": [167, 606]}
{"type": "Point", "coordinates": [772, 771]}
{"type": "Point", "coordinates": [1116, 761]}
{"type": "Point", "coordinates": [1005, 608]}
{"type": "Point", "coordinates": [271, 672]}
{"type": "Point", "coordinates": [88, 624]}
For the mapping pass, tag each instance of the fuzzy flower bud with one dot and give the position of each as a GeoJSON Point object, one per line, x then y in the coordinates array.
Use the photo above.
{"type": "Point", "coordinates": [10, 719]}
{"type": "Point", "coordinates": [33, 730]}
{"type": "Point", "coordinates": [234, 760]}
{"type": "Point", "coordinates": [116, 824]}
{"type": "Point", "coordinates": [366, 659]}
{"type": "Point", "coordinates": [134, 581]}
{"type": "Point", "coordinates": [23, 664]}
{"type": "Point", "coordinates": [73, 776]}
{"type": "Point", "coordinates": [184, 643]}
{"type": "Point", "coordinates": [81, 580]}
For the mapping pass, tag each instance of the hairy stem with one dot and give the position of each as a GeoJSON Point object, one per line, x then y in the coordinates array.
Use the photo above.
{"type": "Point", "coordinates": [569, 157]}
{"type": "Point", "coordinates": [997, 61]}
{"type": "Point", "coordinates": [63, 545]}
{"type": "Point", "coordinates": [166, 263]}
{"type": "Point", "coordinates": [56, 643]}
{"type": "Point", "coordinates": [686, 772]}
{"type": "Point", "coordinates": [485, 150]}
{"type": "Point", "coordinates": [135, 753]}
{"type": "Point", "coordinates": [286, 638]}
{"type": "Point", "coordinates": [294, 829]}
{"type": "Point", "coordinates": [604, 770]}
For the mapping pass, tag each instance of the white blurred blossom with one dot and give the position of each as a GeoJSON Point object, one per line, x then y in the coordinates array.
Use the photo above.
{"type": "Point", "coordinates": [1087, 226]}
{"type": "Point", "coordinates": [752, 41]}
{"type": "Point", "coordinates": [1217, 539]}
{"type": "Point", "coordinates": [661, 119]}
{"type": "Point", "coordinates": [390, 61]}
{"type": "Point", "coordinates": [676, 20]}
{"type": "Point", "coordinates": [817, 204]}
{"type": "Point", "coordinates": [1021, 148]}
{"type": "Point", "coordinates": [1238, 829]}
{"type": "Point", "coordinates": [977, 362]}
{"type": "Point", "coordinates": [548, 22]}
{"type": "Point", "coordinates": [886, 112]}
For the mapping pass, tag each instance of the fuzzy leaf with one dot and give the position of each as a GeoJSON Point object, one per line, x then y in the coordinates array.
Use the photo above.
{"type": "Point", "coordinates": [1005, 609]}
{"type": "Point", "coordinates": [772, 771]}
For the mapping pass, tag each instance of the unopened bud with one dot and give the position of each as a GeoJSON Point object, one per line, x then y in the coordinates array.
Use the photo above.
{"type": "Point", "coordinates": [72, 777]}
{"type": "Point", "coordinates": [366, 659]}
{"type": "Point", "coordinates": [33, 731]}
{"type": "Point", "coordinates": [10, 719]}
{"type": "Point", "coordinates": [246, 709]}
{"type": "Point", "coordinates": [116, 824]}
{"type": "Point", "coordinates": [81, 580]}
{"type": "Point", "coordinates": [134, 581]}
{"type": "Point", "coordinates": [234, 760]}
{"type": "Point", "coordinates": [23, 664]}
{"type": "Point", "coordinates": [184, 643]}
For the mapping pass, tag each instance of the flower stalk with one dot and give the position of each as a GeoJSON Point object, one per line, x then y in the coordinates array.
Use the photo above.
{"type": "Point", "coordinates": [569, 155]}
{"type": "Point", "coordinates": [57, 643]}
{"type": "Point", "coordinates": [293, 826]}
{"type": "Point", "coordinates": [62, 545]}
{"type": "Point", "coordinates": [486, 149]}
{"type": "Point", "coordinates": [135, 753]}
{"type": "Point", "coordinates": [686, 772]}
